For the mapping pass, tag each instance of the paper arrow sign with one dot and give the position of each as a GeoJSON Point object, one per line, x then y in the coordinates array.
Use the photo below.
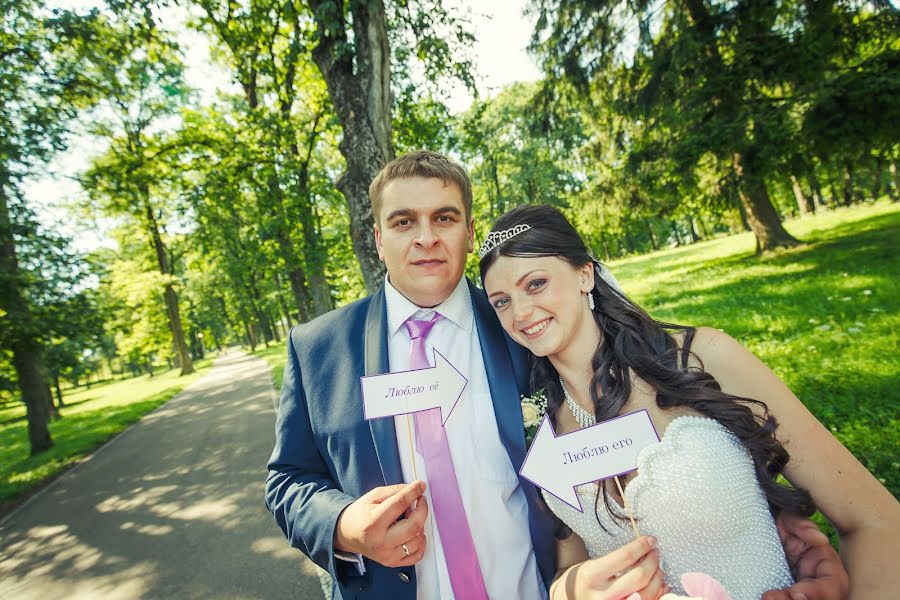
{"type": "Point", "coordinates": [559, 464]}
{"type": "Point", "coordinates": [392, 394]}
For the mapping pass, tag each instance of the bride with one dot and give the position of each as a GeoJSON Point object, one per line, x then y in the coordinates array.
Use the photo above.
{"type": "Point", "coordinates": [704, 496]}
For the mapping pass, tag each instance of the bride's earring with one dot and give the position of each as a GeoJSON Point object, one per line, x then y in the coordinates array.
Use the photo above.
{"type": "Point", "coordinates": [591, 304]}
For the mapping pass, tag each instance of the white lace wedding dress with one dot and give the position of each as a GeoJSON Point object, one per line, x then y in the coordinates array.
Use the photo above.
{"type": "Point", "coordinates": [696, 491]}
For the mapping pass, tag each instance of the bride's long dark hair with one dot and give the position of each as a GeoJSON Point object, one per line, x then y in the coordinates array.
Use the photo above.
{"type": "Point", "coordinates": [632, 340]}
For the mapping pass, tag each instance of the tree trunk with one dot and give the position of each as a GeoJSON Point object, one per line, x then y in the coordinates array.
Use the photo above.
{"type": "Point", "coordinates": [802, 201]}
{"type": "Point", "coordinates": [653, 241]}
{"type": "Point", "coordinates": [171, 298]}
{"type": "Point", "coordinates": [30, 373]}
{"type": "Point", "coordinates": [316, 257]}
{"type": "Point", "coordinates": [818, 198]}
{"type": "Point", "coordinates": [261, 319]}
{"type": "Point", "coordinates": [273, 325]}
{"type": "Point", "coordinates": [287, 141]}
{"type": "Point", "coordinates": [695, 235]}
{"type": "Point", "coordinates": [761, 214]}
{"type": "Point", "coordinates": [876, 181]}
{"type": "Point", "coordinates": [834, 193]}
{"type": "Point", "coordinates": [24, 342]}
{"type": "Point", "coordinates": [675, 232]}
{"type": "Point", "coordinates": [499, 203]}
{"type": "Point", "coordinates": [296, 276]}
{"type": "Point", "coordinates": [282, 305]}
{"type": "Point", "coordinates": [51, 407]}
{"type": "Point", "coordinates": [745, 224]}
{"type": "Point", "coordinates": [848, 184]}
{"type": "Point", "coordinates": [59, 396]}
{"type": "Point", "coordinates": [895, 191]}
{"type": "Point", "coordinates": [358, 76]}
{"type": "Point", "coordinates": [703, 228]}
{"type": "Point", "coordinates": [251, 337]}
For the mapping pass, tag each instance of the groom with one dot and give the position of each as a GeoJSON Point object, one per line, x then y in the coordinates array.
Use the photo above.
{"type": "Point", "coordinates": [467, 526]}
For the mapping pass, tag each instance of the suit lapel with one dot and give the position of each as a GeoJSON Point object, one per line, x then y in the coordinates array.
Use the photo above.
{"type": "Point", "coordinates": [384, 434]}
{"type": "Point", "coordinates": [501, 378]}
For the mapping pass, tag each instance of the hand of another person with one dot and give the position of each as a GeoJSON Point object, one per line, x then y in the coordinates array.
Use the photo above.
{"type": "Point", "coordinates": [370, 525]}
{"type": "Point", "coordinates": [818, 568]}
{"type": "Point", "coordinates": [632, 569]}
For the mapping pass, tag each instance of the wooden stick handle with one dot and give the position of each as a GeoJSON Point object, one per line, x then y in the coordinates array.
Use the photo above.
{"type": "Point", "coordinates": [412, 448]}
{"type": "Point", "coordinates": [627, 508]}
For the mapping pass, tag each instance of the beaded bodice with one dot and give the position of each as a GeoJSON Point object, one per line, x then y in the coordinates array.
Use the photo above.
{"type": "Point", "coordinates": [697, 492]}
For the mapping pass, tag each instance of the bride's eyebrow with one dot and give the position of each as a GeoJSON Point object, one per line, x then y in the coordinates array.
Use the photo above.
{"type": "Point", "coordinates": [522, 278]}
{"type": "Point", "coordinates": [518, 282]}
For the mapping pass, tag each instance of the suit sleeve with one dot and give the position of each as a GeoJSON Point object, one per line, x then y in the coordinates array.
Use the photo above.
{"type": "Point", "coordinates": [300, 492]}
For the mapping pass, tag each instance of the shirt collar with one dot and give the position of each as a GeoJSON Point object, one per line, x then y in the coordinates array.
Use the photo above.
{"type": "Point", "coordinates": [457, 308]}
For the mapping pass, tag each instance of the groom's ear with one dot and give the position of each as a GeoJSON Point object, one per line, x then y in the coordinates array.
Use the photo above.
{"type": "Point", "coordinates": [378, 245]}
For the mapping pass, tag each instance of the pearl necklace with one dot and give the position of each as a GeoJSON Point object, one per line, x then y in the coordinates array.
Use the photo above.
{"type": "Point", "coordinates": [584, 418]}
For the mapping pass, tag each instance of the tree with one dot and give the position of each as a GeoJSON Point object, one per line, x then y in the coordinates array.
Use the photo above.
{"type": "Point", "coordinates": [702, 77]}
{"type": "Point", "coordinates": [513, 159]}
{"type": "Point", "coordinates": [353, 52]}
{"type": "Point", "coordinates": [143, 87]}
{"type": "Point", "coordinates": [853, 111]}
{"type": "Point", "coordinates": [41, 88]}
{"type": "Point", "coordinates": [286, 116]}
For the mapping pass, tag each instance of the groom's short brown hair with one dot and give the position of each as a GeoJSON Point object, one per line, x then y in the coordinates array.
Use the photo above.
{"type": "Point", "coordinates": [426, 164]}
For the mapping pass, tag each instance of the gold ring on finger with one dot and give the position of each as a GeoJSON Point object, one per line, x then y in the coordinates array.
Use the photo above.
{"type": "Point", "coordinates": [405, 549]}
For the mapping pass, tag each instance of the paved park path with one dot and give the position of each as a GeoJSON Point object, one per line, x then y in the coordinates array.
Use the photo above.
{"type": "Point", "coordinates": [172, 508]}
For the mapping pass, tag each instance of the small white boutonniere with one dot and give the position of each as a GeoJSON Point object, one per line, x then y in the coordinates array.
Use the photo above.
{"type": "Point", "coordinates": [533, 409]}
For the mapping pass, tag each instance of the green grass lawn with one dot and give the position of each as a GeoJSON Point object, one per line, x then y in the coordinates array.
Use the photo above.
{"type": "Point", "coordinates": [90, 418]}
{"type": "Point", "coordinates": [823, 316]}
{"type": "Point", "coordinates": [276, 356]}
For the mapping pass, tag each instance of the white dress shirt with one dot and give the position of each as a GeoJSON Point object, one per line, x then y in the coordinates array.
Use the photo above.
{"type": "Point", "coordinates": [494, 502]}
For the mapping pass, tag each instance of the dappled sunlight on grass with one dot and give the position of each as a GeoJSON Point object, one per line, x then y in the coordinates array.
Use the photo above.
{"type": "Point", "coordinates": [823, 316]}
{"type": "Point", "coordinates": [96, 415]}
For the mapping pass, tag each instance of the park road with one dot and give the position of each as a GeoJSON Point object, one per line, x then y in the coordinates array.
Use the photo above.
{"type": "Point", "coordinates": [173, 508]}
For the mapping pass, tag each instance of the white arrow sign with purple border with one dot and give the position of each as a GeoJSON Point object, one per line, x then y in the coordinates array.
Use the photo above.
{"type": "Point", "coordinates": [560, 464]}
{"type": "Point", "coordinates": [392, 394]}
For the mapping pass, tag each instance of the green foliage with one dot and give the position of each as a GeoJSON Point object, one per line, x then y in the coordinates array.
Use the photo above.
{"type": "Point", "coordinates": [852, 108]}
{"type": "Point", "coordinates": [510, 159]}
{"type": "Point", "coordinates": [711, 102]}
{"type": "Point", "coordinates": [139, 323]}
{"type": "Point", "coordinates": [42, 81]}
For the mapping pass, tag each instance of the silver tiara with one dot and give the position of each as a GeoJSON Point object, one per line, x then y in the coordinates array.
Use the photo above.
{"type": "Point", "coordinates": [495, 238]}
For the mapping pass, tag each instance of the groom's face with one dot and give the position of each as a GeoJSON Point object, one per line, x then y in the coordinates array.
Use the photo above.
{"type": "Point", "coordinates": [423, 236]}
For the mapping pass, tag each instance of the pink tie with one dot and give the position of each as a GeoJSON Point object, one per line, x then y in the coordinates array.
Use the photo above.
{"type": "Point", "coordinates": [449, 513]}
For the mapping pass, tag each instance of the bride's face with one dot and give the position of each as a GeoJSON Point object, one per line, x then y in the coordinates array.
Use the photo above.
{"type": "Point", "coordinates": [540, 301]}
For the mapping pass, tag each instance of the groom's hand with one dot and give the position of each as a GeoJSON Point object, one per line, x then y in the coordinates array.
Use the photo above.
{"type": "Point", "coordinates": [370, 526]}
{"type": "Point", "coordinates": [818, 568]}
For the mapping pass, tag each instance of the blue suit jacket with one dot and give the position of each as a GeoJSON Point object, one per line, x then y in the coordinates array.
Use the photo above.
{"type": "Point", "coordinates": [326, 455]}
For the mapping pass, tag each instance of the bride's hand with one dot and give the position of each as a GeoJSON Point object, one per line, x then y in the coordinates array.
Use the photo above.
{"type": "Point", "coordinates": [633, 568]}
